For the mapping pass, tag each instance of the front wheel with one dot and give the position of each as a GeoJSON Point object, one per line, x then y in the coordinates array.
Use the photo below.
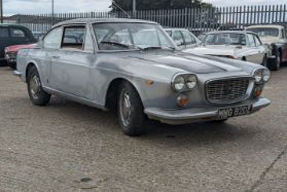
{"type": "Point", "coordinates": [130, 110]}
{"type": "Point", "coordinates": [265, 61]}
{"type": "Point", "coordinates": [36, 93]}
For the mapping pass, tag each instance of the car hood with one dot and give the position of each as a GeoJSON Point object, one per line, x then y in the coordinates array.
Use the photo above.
{"type": "Point", "coordinates": [190, 62]}
{"type": "Point", "coordinates": [224, 50]}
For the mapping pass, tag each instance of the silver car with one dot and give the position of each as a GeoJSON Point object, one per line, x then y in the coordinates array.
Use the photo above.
{"type": "Point", "coordinates": [133, 66]}
{"type": "Point", "coordinates": [241, 45]}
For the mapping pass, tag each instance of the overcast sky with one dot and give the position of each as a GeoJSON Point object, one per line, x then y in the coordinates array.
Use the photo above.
{"type": "Point", "coordinates": [44, 6]}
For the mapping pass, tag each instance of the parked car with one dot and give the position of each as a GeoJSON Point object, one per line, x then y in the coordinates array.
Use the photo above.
{"type": "Point", "coordinates": [275, 37]}
{"type": "Point", "coordinates": [183, 38]}
{"type": "Point", "coordinates": [239, 45]}
{"type": "Point", "coordinates": [139, 77]}
{"type": "Point", "coordinates": [11, 53]}
{"type": "Point", "coordinates": [11, 34]}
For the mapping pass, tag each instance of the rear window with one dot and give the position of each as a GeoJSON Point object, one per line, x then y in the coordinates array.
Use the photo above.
{"type": "Point", "coordinates": [17, 32]}
{"type": "Point", "coordinates": [4, 32]}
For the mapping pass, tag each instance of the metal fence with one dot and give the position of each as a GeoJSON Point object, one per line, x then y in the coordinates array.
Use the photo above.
{"type": "Point", "coordinates": [197, 20]}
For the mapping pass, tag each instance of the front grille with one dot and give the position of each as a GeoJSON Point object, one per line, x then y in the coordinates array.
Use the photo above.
{"type": "Point", "coordinates": [227, 90]}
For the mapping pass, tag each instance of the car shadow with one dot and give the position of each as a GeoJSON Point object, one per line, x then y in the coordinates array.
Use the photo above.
{"type": "Point", "coordinates": [106, 124]}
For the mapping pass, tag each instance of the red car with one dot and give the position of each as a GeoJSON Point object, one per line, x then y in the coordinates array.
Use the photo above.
{"type": "Point", "coordinates": [11, 53]}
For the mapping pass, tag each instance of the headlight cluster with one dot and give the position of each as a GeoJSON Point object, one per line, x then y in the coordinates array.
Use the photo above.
{"type": "Point", "coordinates": [261, 75]}
{"type": "Point", "coordinates": [184, 82]}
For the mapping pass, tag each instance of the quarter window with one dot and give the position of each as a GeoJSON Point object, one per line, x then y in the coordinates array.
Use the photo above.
{"type": "Point", "coordinates": [53, 39]}
{"type": "Point", "coordinates": [17, 33]}
{"type": "Point", "coordinates": [178, 38]}
{"type": "Point", "coordinates": [74, 37]}
{"type": "Point", "coordinates": [251, 41]}
{"type": "Point", "coordinates": [4, 32]}
{"type": "Point", "coordinates": [189, 40]}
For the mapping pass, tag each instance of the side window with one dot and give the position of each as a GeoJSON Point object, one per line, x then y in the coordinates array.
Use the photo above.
{"type": "Point", "coordinates": [189, 39]}
{"type": "Point", "coordinates": [178, 38]}
{"type": "Point", "coordinates": [169, 33]}
{"type": "Point", "coordinates": [251, 41]}
{"type": "Point", "coordinates": [257, 41]}
{"type": "Point", "coordinates": [4, 32]}
{"type": "Point", "coordinates": [17, 33]}
{"type": "Point", "coordinates": [74, 37]}
{"type": "Point", "coordinates": [53, 39]}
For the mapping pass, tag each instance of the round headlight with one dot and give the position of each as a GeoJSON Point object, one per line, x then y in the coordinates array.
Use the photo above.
{"type": "Point", "coordinates": [258, 76]}
{"type": "Point", "coordinates": [266, 75]}
{"type": "Point", "coordinates": [179, 83]}
{"type": "Point", "coordinates": [191, 81]}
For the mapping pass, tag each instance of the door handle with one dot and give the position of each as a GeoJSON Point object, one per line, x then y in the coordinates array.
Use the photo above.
{"type": "Point", "coordinates": [56, 57]}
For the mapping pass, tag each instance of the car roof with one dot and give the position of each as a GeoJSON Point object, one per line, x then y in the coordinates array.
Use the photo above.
{"type": "Point", "coordinates": [102, 20]}
{"type": "Point", "coordinates": [238, 32]}
{"type": "Point", "coordinates": [264, 26]}
{"type": "Point", "coordinates": [12, 25]}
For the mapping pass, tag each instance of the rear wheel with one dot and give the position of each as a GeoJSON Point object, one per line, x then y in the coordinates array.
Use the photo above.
{"type": "Point", "coordinates": [130, 110]}
{"type": "Point", "coordinates": [37, 95]}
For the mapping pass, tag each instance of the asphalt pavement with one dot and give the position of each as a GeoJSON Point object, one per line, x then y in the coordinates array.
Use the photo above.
{"type": "Point", "coordinates": [66, 146]}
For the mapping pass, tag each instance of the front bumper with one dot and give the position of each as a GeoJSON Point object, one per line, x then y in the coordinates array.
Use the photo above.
{"type": "Point", "coordinates": [185, 116]}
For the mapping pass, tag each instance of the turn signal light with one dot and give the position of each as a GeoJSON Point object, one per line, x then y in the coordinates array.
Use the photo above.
{"type": "Point", "coordinates": [258, 91]}
{"type": "Point", "coordinates": [182, 100]}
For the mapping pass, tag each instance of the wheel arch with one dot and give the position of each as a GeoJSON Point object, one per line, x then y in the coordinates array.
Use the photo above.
{"type": "Point", "coordinates": [112, 92]}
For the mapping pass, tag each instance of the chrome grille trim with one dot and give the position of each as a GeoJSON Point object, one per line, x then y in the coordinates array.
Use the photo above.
{"type": "Point", "coordinates": [226, 91]}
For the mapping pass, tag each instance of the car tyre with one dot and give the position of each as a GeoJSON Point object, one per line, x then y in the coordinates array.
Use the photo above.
{"type": "Point", "coordinates": [36, 93]}
{"type": "Point", "coordinates": [130, 110]}
{"type": "Point", "coordinates": [265, 61]}
{"type": "Point", "coordinates": [275, 63]}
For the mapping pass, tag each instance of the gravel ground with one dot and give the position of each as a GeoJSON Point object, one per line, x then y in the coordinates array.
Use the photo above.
{"type": "Point", "coordinates": [70, 147]}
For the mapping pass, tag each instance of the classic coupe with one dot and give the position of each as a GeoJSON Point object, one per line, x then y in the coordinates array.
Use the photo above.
{"type": "Point", "coordinates": [275, 37]}
{"type": "Point", "coordinates": [239, 45]}
{"type": "Point", "coordinates": [134, 67]}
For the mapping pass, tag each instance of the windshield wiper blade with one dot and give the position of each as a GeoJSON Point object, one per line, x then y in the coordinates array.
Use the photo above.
{"type": "Point", "coordinates": [156, 47]}
{"type": "Point", "coordinates": [115, 43]}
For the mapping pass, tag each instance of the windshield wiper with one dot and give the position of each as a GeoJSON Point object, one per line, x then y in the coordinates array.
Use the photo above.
{"type": "Point", "coordinates": [115, 43]}
{"type": "Point", "coordinates": [156, 47]}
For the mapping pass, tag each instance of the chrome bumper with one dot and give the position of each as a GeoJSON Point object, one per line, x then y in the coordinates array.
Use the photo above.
{"type": "Point", "coordinates": [176, 117]}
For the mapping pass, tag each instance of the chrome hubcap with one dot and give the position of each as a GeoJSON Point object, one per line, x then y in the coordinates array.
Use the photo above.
{"type": "Point", "coordinates": [35, 86]}
{"type": "Point", "coordinates": [125, 108]}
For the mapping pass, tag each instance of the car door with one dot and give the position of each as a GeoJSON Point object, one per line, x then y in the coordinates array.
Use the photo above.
{"type": "Point", "coordinates": [4, 39]}
{"type": "Point", "coordinates": [261, 49]}
{"type": "Point", "coordinates": [252, 52]}
{"type": "Point", "coordinates": [189, 39]}
{"type": "Point", "coordinates": [71, 64]}
{"type": "Point", "coordinates": [50, 46]}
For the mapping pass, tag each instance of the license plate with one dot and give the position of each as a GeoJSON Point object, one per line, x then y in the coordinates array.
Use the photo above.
{"type": "Point", "coordinates": [232, 112]}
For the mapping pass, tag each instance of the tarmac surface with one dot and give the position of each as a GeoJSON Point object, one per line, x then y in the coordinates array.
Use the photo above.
{"type": "Point", "coordinates": [71, 147]}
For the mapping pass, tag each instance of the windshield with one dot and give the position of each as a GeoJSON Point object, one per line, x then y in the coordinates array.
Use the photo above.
{"type": "Point", "coordinates": [225, 39]}
{"type": "Point", "coordinates": [265, 32]}
{"type": "Point", "coordinates": [124, 36]}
